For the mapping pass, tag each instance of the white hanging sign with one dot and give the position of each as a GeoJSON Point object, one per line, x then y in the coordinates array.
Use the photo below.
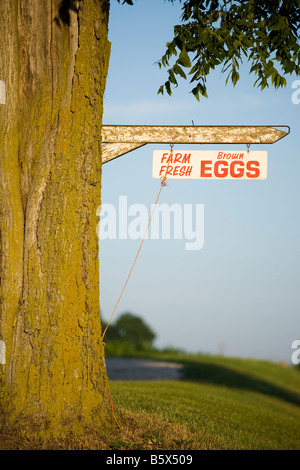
{"type": "Point", "coordinates": [210, 164]}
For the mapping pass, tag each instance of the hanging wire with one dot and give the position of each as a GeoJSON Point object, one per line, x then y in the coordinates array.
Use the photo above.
{"type": "Point", "coordinates": [162, 184]}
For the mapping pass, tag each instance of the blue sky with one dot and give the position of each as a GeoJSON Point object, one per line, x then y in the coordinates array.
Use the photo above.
{"type": "Point", "coordinates": [240, 293]}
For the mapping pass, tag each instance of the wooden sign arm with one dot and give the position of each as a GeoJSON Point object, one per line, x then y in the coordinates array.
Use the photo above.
{"type": "Point", "coordinates": [119, 140]}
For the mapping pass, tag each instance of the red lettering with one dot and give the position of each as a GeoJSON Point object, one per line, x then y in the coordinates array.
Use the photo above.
{"type": "Point", "coordinates": [188, 171]}
{"type": "Point", "coordinates": [186, 158]}
{"type": "Point", "coordinates": [240, 169]}
{"type": "Point", "coordinates": [170, 159]}
{"type": "Point", "coordinates": [177, 158]}
{"type": "Point", "coordinates": [162, 168]}
{"type": "Point", "coordinates": [253, 166]}
{"type": "Point", "coordinates": [218, 169]}
{"type": "Point", "coordinates": [204, 168]}
{"type": "Point", "coordinates": [224, 172]}
{"type": "Point", "coordinates": [164, 157]}
{"type": "Point", "coordinates": [169, 170]}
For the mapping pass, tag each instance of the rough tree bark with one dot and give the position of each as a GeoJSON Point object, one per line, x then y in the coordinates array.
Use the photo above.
{"type": "Point", "coordinates": [54, 58]}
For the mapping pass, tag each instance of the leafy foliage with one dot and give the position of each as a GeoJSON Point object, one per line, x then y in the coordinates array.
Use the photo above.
{"type": "Point", "coordinates": [129, 2]}
{"type": "Point", "coordinates": [128, 335]}
{"type": "Point", "coordinates": [223, 32]}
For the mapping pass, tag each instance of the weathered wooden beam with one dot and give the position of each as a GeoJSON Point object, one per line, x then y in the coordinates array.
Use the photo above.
{"type": "Point", "coordinates": [111, 151]}
{"type": "Point", "coordinates": [192, 134]}
{"type": "Point", "coordinates": [119, 140]}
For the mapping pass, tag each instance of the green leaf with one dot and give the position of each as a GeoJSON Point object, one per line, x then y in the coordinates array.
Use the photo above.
{"type": "Point", "coordinates": [178, 70]}
{"type": "Point", "coordinates": [184, 59]}
{"type": "Point", "coordinates": [198, 90]}
{"type": "Point", "coordinates": [276, 24]}
{"type": "Point", "coordinates": [129, 2]}
{"type": "Point", "coordinates": [196, 93]}
{"type": "Point", "coordinates": [235, 77]}
{"type": "Point", "coordinates": [168, 88]}
{"type": "Point", "coordinates": [172, 78]}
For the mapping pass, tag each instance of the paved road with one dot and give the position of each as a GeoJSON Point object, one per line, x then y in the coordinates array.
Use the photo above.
{"type": "Point", "coordinates": [141, 369]}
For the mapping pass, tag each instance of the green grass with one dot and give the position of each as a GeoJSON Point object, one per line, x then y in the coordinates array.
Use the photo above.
{"type": "Point", "coordinates": [222, 403]}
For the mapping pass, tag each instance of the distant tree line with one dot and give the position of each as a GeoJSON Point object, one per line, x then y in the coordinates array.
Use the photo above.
{"type": "Point", "coordinates": [129, 334]}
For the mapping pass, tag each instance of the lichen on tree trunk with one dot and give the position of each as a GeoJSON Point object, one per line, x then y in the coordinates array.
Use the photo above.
{"type": "Point", "coordinates": [54, 59]}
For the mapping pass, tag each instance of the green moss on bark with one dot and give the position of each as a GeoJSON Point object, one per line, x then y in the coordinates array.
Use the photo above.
{"type": "Point", "coordinates": [55, 382]}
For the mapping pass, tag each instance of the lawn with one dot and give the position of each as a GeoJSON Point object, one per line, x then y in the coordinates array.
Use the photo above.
{"type": "Point", "coordinates": [219, 404]}
{"type": "Point", "coordinates": [222, 403]}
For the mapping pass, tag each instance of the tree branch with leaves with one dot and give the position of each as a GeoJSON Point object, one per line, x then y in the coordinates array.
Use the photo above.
{"type": "Point", "coordinates": [225, 33]}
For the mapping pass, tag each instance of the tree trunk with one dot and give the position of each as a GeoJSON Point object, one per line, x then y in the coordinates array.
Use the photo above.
{"type": "Point", "coordinates": [54, 60]}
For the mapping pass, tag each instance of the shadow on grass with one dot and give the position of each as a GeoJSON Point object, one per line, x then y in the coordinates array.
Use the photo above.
{"type": "Point", "coordinates": [221, 375]}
